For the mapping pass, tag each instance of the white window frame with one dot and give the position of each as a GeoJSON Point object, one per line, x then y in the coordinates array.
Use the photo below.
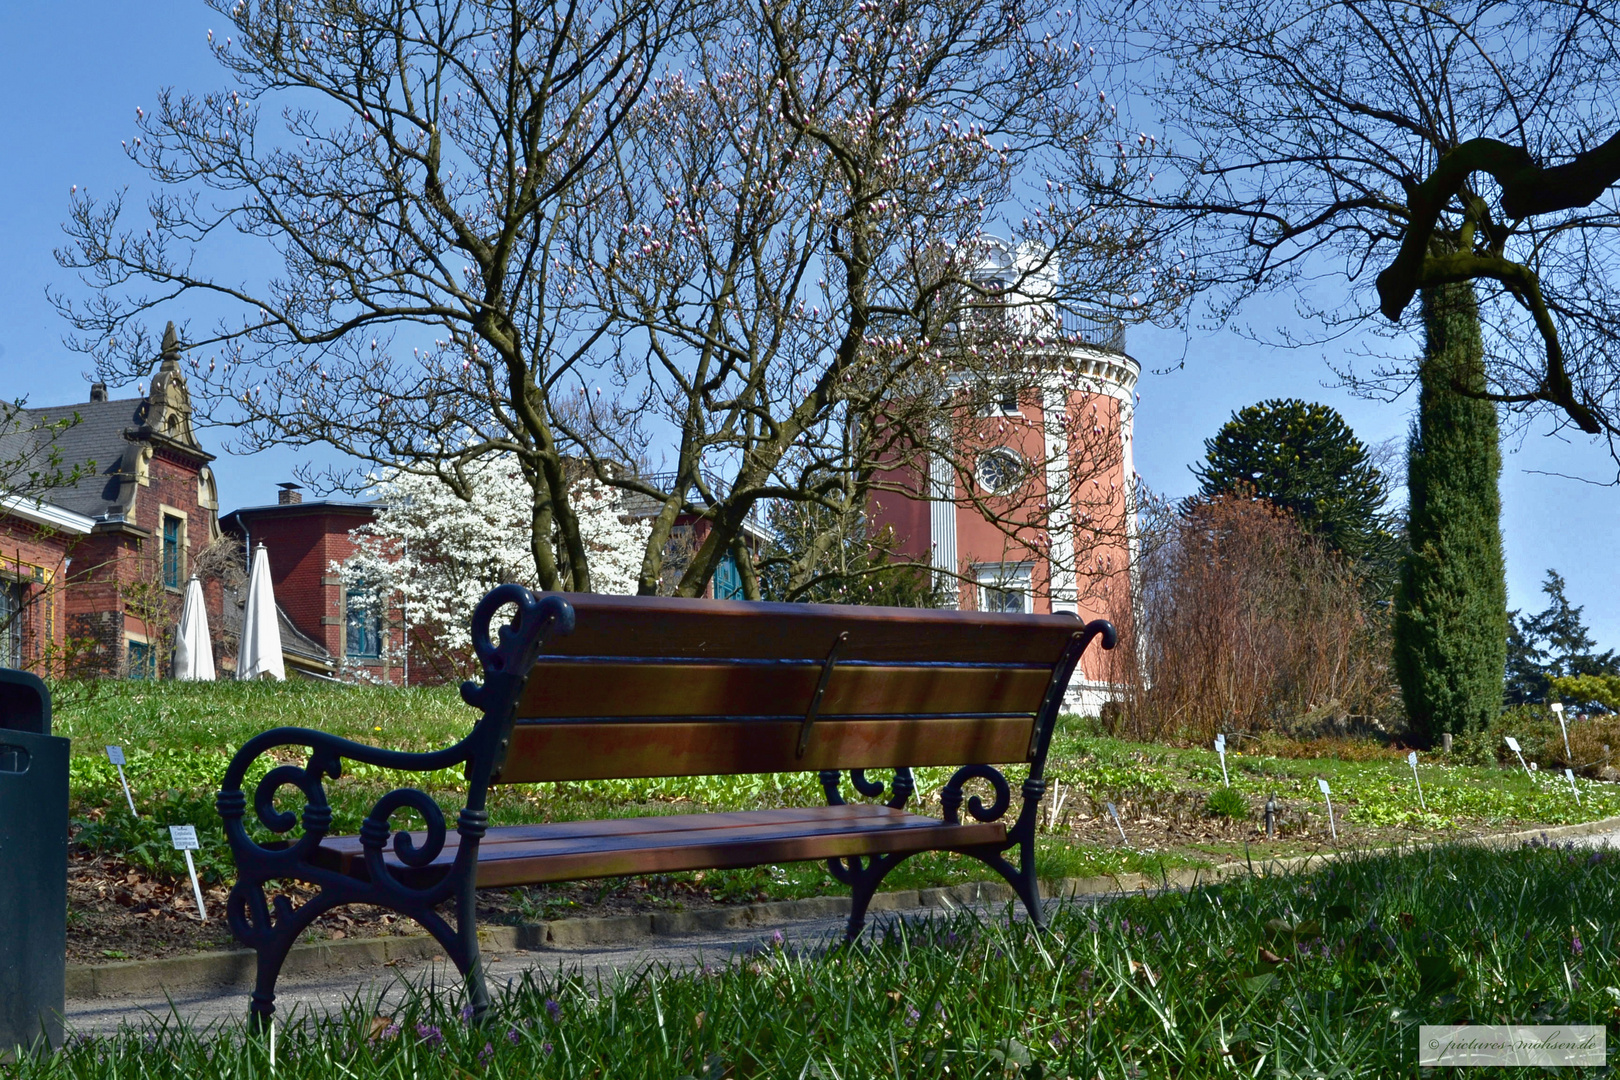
{"type": "Point", "coordinates": [1009, 578]}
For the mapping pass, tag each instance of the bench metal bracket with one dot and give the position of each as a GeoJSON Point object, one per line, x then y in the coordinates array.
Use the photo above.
{"type": "Point", "coordinates": [821, 688]}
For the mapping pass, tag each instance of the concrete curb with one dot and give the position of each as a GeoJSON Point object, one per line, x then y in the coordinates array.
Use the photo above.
{"type": "Point", "coordinates": [234, 969]}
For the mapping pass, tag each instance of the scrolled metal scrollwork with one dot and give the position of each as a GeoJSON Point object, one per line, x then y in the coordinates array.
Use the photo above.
{"type": "Point", "coordinates": [538, 620]}
{"type": "Point", "coordinates": [901, 787]}
{"type": "Point", "coordinates": [375, 831]}
{"type": "Point", "coordinates": [950, 796]}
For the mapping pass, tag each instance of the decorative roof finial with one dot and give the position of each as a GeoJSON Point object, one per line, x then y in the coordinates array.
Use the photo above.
{"type": "Point", "coordinates": [171, 347]}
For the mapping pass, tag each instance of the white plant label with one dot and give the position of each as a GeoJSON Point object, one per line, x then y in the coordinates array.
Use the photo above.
{"type": "Point", "coordinates": [1558, 710]}
{"type": "Point", "coordinates": [1569, 774]}
{"type": "Point", "coordinates": [1328, 795]}
{"type": "Point", "coordinates": [184, 839]}
{"type": "Point", "coordinates": [1114, 813]}
{"type": "Point", "coordinates": [115, 754]}
{"type": "Point", "coordinates": [1220, 748]}
{"type": "Point", "coordinates": [1513, 745]}
{"type": "Point", "coordinates": [1411, 759]}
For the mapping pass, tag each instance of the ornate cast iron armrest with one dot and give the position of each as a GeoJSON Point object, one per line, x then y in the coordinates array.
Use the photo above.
{"type": "Point", "coordinates": [506, 666]}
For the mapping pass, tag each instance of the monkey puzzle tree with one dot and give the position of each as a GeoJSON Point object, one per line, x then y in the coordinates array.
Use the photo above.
{"type": "Point", "coordinates": [1305, 459]}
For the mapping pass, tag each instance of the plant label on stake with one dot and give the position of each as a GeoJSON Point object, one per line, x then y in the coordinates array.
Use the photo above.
{"type": "Point", "coordinates": [1220, 748]}
{"type": "Point", "coordinates": [1513, 745]}
{"type": "Point", "coordinates": [1328, 795]}
{"type": "Point", "coordinates": [184, 838]}
{"type": "Point", "coordinates": [1113, 813]}
{"type": "Point", "coordinates": [1558, 710]}
{"type": "Point", "coordinates": [1411, 759]}
{"type": "Point", "coordinates": [1569, 774]}
{"type": "Point", "coordinates": [115, 754]}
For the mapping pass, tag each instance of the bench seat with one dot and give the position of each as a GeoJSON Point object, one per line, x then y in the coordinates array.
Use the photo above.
{"type": "Point", "coordinates": [570, 851]}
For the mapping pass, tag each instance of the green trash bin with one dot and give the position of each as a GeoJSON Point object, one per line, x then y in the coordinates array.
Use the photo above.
{"type": "Point", "coordinates": [33, 867]}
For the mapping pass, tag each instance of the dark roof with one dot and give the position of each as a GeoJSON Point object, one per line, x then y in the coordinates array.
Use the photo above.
{"type": "Point", "coordinates": [97, 436]}
{"type": "Point", "coordinates": [294, 642]}
{"type": "Point", "coordinates": [232, 521]}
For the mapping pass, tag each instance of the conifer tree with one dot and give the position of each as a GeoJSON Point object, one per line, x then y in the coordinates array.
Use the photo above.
{"type": "Point", "coordinates": [1303, 457]}
{"type": "Point", "coordinates": [1451, 609]}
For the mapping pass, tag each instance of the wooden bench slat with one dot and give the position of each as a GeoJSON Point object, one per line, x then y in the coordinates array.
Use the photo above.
{"type": "Point", "coordinates": [559, 688]}
{"type": "Point", "coordinates": [631, 626]}
{"type": "Point", "coordinates": [349, 846]}
{"type": "Point", "coordinates": [625, 749]}
{"type": "Point", "coordinates": [558, 853]}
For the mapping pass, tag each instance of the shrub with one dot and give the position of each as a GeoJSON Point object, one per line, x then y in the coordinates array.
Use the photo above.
{"type": "Point", "coordinates": [1226, 803]}
{"type": "Point", "coordinates": [1247, 624]}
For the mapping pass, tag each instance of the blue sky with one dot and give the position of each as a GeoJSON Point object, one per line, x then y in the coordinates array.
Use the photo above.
{"type": "Point", "coordinates": [72, 75]}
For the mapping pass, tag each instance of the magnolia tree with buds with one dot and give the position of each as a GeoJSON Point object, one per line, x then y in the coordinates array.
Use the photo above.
{"type": "Point", "coordinates": [576, 232]}
{"type": "Point", "coordinates": [430, 555]}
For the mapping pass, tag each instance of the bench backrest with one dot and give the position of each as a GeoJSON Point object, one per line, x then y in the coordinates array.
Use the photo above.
{"type": "Point", "coordinates": [649, 687]}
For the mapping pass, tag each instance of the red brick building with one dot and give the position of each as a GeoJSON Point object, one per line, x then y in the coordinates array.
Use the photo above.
{"type": "Point", "coordinates": [303, 540]}
{"type": "Point", "coordinates": [92, 573]}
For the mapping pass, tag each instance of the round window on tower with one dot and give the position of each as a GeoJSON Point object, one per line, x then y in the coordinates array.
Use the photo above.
{"type": "Point", "coordinates": [1000, 471]}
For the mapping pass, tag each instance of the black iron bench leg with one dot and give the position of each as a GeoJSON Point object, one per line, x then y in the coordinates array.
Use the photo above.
{"type": "Point", "coordinates": [863, 875]}
{"type": "Point", "coordinates": [467, 938]}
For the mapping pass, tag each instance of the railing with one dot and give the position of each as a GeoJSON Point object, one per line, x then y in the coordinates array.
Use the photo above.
{"type": "Point", "coordinates": [1098, 329]}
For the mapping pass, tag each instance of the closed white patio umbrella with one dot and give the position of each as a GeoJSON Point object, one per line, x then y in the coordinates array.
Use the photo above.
{"type": "Point", "coordinates": [193, 652]}
{"type": "Point", "coordinates": [260, 652]}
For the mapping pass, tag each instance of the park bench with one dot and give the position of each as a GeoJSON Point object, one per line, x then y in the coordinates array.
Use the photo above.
{"type": "Point", "coordinates": [587, 687]}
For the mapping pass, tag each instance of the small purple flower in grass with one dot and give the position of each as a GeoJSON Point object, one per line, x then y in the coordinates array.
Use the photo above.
{"type": "Point", "coordinates": [486, 1053]}
{"type": "Point", "coordinates": [1575, 945]}
{"type": "Point", "coordinates": [513, 1036]}
{"type": "Point", "coordinates": [912, 1016]}
{"type": "Point", "coordinates": [466, 1013]}
{"type": "Point", "coordinates": [776, 938]}
{"type": "Point", "coordinates": [429, 1034]}
{"type": "Point", "coordinates": [554, 1010]}
{"type": "Point", "coordinates": [545, 1048]}
{"type": "Point", "coordinates": [390, 1031]}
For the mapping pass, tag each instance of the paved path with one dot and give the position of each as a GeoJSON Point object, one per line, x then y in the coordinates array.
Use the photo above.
{"type": "Point", "coordinates": [328, 993]}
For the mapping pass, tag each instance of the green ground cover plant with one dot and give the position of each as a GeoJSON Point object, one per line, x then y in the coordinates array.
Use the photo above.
{"type": "Point", "coordinates": [1328, 974]}
{"type": "Point", "coordinates": [178, 738]}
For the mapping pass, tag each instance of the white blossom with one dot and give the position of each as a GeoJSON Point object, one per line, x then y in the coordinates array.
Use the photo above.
{"type": "Point", "coordinates": [430, 555]}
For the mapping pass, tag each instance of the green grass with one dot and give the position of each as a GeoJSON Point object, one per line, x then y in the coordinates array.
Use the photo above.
{"type": "Point", "coordinates": [179, 737]}
{"type": "Point", "coordinates": [1168, 986]}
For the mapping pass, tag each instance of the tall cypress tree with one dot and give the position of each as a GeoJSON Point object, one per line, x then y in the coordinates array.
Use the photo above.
{"type": "Point", "coordinates": [1451, 609]}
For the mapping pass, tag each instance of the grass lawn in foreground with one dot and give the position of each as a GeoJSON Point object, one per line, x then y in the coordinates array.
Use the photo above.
{"type": "Point", "coordinates": [127, 899]}
{"type": "Point", "coordinates": [1326, 975]}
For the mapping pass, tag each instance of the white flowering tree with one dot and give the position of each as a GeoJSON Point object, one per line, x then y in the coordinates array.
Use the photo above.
{"type": "Point", "coordinates": [430, 555]}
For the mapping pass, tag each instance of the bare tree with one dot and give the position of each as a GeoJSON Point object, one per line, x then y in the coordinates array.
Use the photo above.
{"type": "Point", "coordinates": [1422, 143]}
{"type": "Point", "coordinates": [425, 156]}
{"type": "Point", "coordinates": [792, 241]}
{"type": "Point", "coordinates": [763, 248]}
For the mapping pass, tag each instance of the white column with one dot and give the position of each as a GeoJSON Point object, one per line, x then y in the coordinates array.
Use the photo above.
{"type": "Point", "coordinates": [1061, 572]}
{"type": "Point", "coordinates": [942, 520]}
